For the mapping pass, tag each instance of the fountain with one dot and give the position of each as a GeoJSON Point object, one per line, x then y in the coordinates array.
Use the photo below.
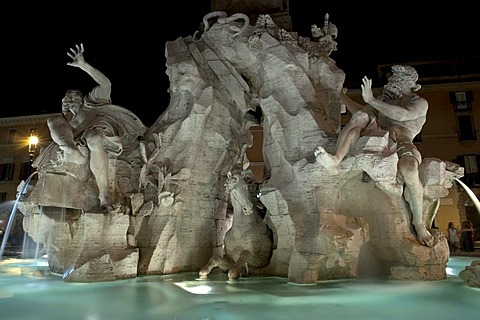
{"type": "Point", "coordinates": [168, 210]}
{"type": "Point", "coordinates": [341, 246]}
{"type": "Point", "coordinates": [163, 209]}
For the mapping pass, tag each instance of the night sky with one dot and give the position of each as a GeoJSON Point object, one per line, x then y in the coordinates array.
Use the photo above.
{"type": "Point", "coordinates": [127, 43]}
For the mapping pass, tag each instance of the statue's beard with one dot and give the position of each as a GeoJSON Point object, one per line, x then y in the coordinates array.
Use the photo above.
{"type": "Point", "coordinates": [389, 95]}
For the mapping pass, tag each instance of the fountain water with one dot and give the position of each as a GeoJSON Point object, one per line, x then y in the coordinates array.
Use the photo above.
{"type": "Point", "coordinates": [471, 194]}
{"type": "Point", "coordinates": [184, 296]}
{"type": "Point", "coordinates": [11, 219]}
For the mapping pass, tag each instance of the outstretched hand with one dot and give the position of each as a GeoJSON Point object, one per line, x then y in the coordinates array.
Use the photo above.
{"type": "Point", "coordinates": [367, 93]}
{"type": "Point", "coordinates": [76, 55]}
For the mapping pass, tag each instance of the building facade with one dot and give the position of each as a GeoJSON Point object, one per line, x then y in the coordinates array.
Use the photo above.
{"type": "Point", "coordinates": [17, 153]}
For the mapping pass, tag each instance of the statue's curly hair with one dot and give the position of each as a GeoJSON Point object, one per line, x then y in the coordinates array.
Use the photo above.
{"type": "Point", "coordinates": [407, 74]}
{"type": "Point", "coordinates": [77, 92]}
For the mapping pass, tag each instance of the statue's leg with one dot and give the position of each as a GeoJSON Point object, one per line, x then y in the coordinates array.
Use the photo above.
{"type": "Point", "coordinates": [99, 165]}
{"type": "Point", "coordinates": [224, 263]}
{"type": "Point", "coordinates": [237, 270]}
{"type": "Point", "coordinates": [348, 136]}
{"type": "Point", "coordinates": [62, 134]}
{"type": "Point", "coordinates": [328, 161]}
{"type": "Point", "coordinates": [413, 194]}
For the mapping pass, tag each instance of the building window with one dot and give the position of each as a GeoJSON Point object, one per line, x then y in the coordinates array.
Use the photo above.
{"type": "Point", "coordinates": [11, 136]}
{"type": "Point", "coordinates": [462, 105]}
{"type": "Point", "coordinates": [6, 171]}
{"type": "Point", "coordinates": [471, 164]}
{"type": "Point", "coordinates": [26, 170]}
{"type": "Point", "coordinates": [466, 129]}
{"type": "Point", "coordinates": [3, 197]}
{"type": "Point", "coordinates": [461, 100]}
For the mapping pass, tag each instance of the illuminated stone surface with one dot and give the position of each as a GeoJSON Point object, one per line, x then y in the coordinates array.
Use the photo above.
{"type": "Point", "coordinates": [171, 209]}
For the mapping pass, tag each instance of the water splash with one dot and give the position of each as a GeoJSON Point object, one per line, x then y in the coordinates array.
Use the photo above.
{"type": "Point", "coordinates": [12, 214]}
{"type": "Point", "coordinates": [472, 195]}
{"type": "Point", "coordinates": [68, 271]}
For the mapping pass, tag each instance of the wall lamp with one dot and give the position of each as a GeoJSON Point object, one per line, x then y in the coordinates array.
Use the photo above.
{"type": "Point", "coordinates": [32, 143]}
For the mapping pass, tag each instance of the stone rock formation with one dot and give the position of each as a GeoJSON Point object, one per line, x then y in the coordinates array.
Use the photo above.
{"type": "Point", "coordinates": [471, 274]}
{"type": "Point", "coordinates": [172, 209]}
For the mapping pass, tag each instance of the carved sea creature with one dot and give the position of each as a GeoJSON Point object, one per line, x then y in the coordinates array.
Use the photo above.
{"type": "Point", "coordinates": [248, 242]}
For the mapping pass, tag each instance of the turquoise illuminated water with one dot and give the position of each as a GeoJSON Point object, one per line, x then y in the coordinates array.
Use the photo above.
{"type": "Point", "coordinates": [29, 291]}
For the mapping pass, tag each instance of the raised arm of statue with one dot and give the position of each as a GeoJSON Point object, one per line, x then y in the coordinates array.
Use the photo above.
{"type": "Point", "coordinates": [103, 91]}
{"type": "Point", "coordinates": [404, 108]}
{"type": "Point", "coordinates": [367, 92]}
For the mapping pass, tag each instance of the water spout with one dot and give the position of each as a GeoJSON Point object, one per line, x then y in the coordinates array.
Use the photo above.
{"type": "Point", "coordinates": [472, 195]}
{"type": "Point", "coordinates": [12, 214]}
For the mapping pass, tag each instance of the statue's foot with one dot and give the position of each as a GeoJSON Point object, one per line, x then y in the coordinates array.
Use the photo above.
{"type": "Point", "coordinates": [59, 161]}
{"type": "Point", "coordinates": [69, 156]}
{"type": "Point", "coordinates": [75, 170]}
{"type": "Point", "coordinates": [203, 273]}
{"type": "Point", "coordinates": [423, 236]}
{"type": "Point", "coordinates": [106, 205]}
{"type": "Point", "coordinates": [233, 274]}
{"type": "Point", "coordinates": [75, 156]}
{"type": "Point", "coordinates": [326, 160]}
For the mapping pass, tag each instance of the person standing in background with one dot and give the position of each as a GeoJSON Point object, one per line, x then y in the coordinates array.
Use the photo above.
{"type": "Point", "coordinates": [453, 237]}
{"type": "Point", "coordinates": [467, 237]}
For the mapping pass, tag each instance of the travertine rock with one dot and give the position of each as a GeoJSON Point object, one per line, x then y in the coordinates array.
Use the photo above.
{"type": "Point", "coordinates": [172, 210]}
{"type": "Point", "coordinates": [471, 274]}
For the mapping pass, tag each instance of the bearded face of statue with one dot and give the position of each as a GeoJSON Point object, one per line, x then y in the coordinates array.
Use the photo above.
{"type": "Point", "coordinates": [394, 90]}
{"type": "Point", "coordinates": [72, 101]}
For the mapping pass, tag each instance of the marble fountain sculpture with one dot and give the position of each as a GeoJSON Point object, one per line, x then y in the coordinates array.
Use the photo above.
{"type": "Point", "coordinates": [167, 199]}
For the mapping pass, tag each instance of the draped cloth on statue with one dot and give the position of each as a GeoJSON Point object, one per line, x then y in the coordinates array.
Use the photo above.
{"type": "Point", "coordinates": [121, 129]}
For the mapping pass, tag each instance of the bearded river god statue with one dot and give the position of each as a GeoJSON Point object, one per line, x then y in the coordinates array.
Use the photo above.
{"type": "Point", "coordinates": [168, 210]}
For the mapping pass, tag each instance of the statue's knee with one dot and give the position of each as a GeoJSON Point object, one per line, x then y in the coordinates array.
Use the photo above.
{"type": "Point", "coordinates": [55, 122]}
{"type": "Point", "coordinates": [360, 119]}
{"type": "Point", "coordinates": [408, 165]}
{"type": "Point", "coordinates": [94, 139]}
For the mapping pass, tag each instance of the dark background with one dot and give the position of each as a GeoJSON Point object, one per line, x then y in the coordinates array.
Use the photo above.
{"type": "Point", "coordinates": [126, 41]}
